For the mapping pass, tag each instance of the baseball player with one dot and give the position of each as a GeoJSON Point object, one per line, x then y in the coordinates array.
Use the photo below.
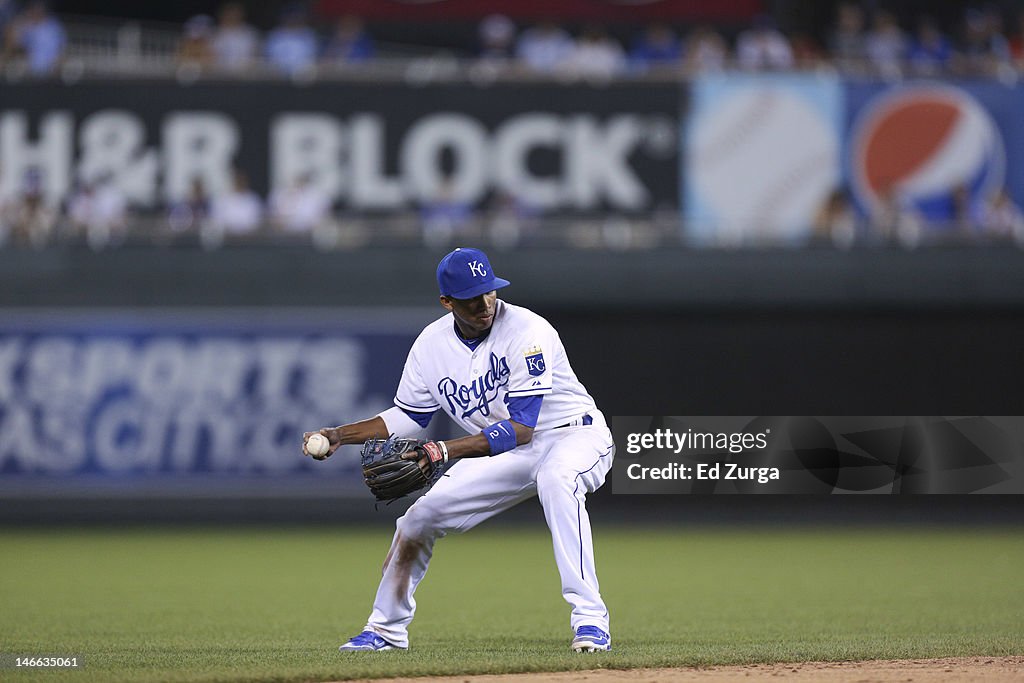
{"type": "Point", "coordinates": [500, 371]}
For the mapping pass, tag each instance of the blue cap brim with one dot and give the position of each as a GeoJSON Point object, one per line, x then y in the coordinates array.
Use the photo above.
{"type": "Point", "coordinates": [472, 292]}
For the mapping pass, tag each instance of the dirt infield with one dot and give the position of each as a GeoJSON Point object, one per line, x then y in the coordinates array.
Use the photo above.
{"type": "Point", "coordinates": [957, 670]}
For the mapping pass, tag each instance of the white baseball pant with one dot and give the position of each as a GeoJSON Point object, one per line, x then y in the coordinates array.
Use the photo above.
{"type": "Point", "coordinates": [560, 466]}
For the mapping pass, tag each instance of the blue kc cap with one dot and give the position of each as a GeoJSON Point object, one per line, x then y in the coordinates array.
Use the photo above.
{"type": "Point", "coordinates": [466, 273]}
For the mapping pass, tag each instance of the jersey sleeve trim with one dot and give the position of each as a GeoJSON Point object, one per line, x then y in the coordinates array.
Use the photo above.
{"type": "Point", "coordinates": [422, 419]}
{"type": "Point", "coordinates": [532, 391]}
{"type": "Point", "coordinates": [525, 409]}
{"type": "Point", "coordinates": [416, 409]}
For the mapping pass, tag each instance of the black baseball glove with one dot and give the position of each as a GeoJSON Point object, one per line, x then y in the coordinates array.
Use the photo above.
{"type": "Point", "coordinates": [390, 477]}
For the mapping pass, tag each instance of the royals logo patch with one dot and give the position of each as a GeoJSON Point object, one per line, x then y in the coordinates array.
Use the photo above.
{"type": "Point", "coordinates": [534, 358]}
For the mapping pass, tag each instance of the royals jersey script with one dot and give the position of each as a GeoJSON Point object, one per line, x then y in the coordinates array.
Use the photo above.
{"type": "Point", "coordinates": [522, 356]}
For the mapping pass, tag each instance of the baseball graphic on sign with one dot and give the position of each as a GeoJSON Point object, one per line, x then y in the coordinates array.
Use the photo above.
{"type": "Point", "coordinates": [762, 161]}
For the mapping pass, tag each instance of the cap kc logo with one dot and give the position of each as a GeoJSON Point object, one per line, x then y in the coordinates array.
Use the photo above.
{"type": "Point", "coordinates": [477, 268]}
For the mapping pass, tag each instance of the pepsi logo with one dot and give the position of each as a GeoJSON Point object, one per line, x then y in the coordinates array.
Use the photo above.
{"type": "Point", "coordinates": [921, 144]}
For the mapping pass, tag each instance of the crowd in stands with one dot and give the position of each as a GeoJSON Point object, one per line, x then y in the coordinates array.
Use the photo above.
{"type": "Point", "coordinates": [231, 44]}
{"type": "Point", "coordinates": [98, 214]}
{"type": "Point", "coordinates": [993, 219]}
{"type": "Point", "coordinates": [33, 33]}
{"type": "Point", "coordinates": [875, 43]}
{"type": "Point", "coordinates": [985, 41]}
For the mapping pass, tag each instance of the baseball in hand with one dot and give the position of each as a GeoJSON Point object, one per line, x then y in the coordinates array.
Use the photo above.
{"type": "Point", "coordinates": [317, 445]}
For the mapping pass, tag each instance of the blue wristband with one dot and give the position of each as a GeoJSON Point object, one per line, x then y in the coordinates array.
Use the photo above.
{"type": "Point", "coordinates": [501, 436]}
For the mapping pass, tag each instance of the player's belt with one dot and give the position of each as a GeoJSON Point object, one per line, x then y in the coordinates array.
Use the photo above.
{"type": "Point", "coordinates": [584, 421]}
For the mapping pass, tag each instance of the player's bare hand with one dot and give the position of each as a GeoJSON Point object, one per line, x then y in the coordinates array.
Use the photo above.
{"type": "Point", "coordinates": [429, 455]}
{"type": "Point", "coordinates": [421, 458]}
{"type": "Point", "coordinates": [333, 436]}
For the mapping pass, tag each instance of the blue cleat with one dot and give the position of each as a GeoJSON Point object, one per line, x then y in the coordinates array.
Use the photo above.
{"type": "Point", "coordinates": [591, 639]}
{"type": "Point", "coordinates": [368, 641]}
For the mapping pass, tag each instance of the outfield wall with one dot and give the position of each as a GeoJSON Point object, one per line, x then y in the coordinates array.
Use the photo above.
{"type": "Point", "coordinates": [174, 384]}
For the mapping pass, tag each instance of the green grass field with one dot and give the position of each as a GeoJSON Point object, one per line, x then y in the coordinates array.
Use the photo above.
{"type": "Point", "coordinates": [233, 605]}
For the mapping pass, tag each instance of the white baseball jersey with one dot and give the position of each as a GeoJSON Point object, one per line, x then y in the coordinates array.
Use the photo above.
{"type": "Point", "coordinates": [522, 356]}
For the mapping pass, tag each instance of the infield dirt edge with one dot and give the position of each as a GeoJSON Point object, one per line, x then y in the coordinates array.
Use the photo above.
{"type": "Point", "coordinates": [957, 669]}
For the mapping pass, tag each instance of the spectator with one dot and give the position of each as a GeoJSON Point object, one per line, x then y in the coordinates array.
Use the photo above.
{"type": "Point", "coordinates": [836, 222]}
{"type": "Point", "coordinates": [930, 52]}
{"type": "Point", "coordinates": [657, 47]}
{"type": "Point", "coordinates": [510, 220]}
{"type": "Point", "coordinates": [239, 211]}
{"type": "Point", "coordinates": [895, 219]}
{"type": "Point", "coordinates": [194, 48]}
{"type": "Point", "coordinates": [1016, 44]}
{"type": "Point", "coordinates": [235, 42]}
{"type": "Point", "coordinates": [807, 52]}
{"type": "Point", "coordinates": [301, 208]}
{"type": "Point", "coordinates": [764, 47]}
{"type": "Point", "coordinates": [8, 12]}
{"type": "Point", "coordinates": [545, 48]}
{"type": "Point", "coordinates": [292, 47]}
{"type": "Point", "coordinates": [999, 217]}
{"type": "Point", "coordinates": [29, 220]}
{"type": "Point", "coordinates": [191, 213]}
{"type": "Point", "coordinates": [597, 55]}
{"type": "Point", "coordinates": [497, 38]}
{"type": "Point", "coordinates": [9, 198]}
{"type": "Point", "coordinates": [706, 50]}
{"type": "Point", "coordinates": [6, 202]}
{"type": "Point", "coordinates": [40, 37]}
{"type": "Point", "coordinates": [847, 41]}
{"type": "Point", "coordinates": [985, 46]}
{"type": "Point", "coordinates": [886, 45]}
{"type": "Point", "coordinates": [99, 210]}
{"type": "Point", "coordinates": [960, 216]}
{"type": "Point", "coordinates": [444, 217]}
{"type": "Point", "coordinates": [350, 43]}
